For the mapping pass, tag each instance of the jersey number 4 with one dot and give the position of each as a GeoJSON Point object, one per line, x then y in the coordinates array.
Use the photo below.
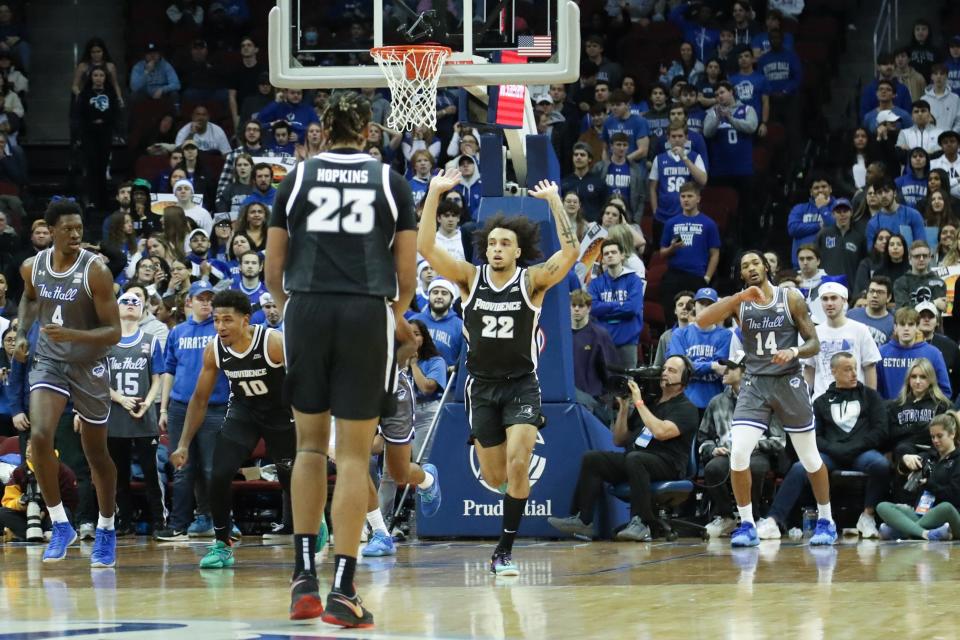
{"type": "Point", "coordinates": [766, 347]}
{"type": "Point", "coordinates": [494, 327]}
{"type": "Point", "coordinates": [57, 317]}
{"type": "Point", "coordinates": [349, 210]}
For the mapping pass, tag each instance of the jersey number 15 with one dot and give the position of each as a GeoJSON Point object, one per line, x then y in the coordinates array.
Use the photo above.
{"type": "Point", "coordinates": [349, 210]}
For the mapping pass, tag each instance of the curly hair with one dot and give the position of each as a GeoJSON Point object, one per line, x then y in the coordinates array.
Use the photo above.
{"type": "Point", "coordinates": [346, 118]}
{"type": "Point", "coordinates": [759, 254]}
{"type": "Point", "coordinates": [528, 236]}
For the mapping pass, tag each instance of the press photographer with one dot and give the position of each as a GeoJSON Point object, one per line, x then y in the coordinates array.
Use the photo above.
{"type": "Point", "coordinates": [23, 511]}
{"type": "Point", "coordinates": [656, 441]}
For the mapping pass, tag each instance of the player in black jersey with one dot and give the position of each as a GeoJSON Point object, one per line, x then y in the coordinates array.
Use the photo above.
{"type": "Point", "coordinates": [251, 356]}
{"type": "Point", "coordinates": [501, 305]}
{"type": "Point", "coordinates": [342, 247]}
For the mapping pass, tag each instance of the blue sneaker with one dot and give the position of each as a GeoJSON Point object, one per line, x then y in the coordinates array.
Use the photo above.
{"type": "Point", "coordinates": [202, 527]}
{"type": "Point", "coordinates": [235, 533]}
{"type": "Point", "coordinates": [939, 534]}
{"type": "Point", "coordinates": [430, 498]}
{"type": "Point", "coordinates": [381, 544]}
{"type": "Point", "coordinates": [745, 536]}
{"type": "Point", "coordinates": [825, 533]}
{"type": "Point", "coordinates": [61, 536]}
{"type": "Point", "coordinates": [104, 554]}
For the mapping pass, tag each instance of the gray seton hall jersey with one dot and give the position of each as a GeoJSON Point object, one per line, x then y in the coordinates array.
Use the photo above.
{"type": "Point", "coordinates": [500, 327]}
{"type": "Point", "coordinates": [767, 329]}
{"type": "Point", "coordinates": [65, 299]}
{"type": "Point", "coordinates": [132, 364]}
{"type": "Point", "coordinates": [256, 382]}
{"type": "Point", "coordinates": [342, 210]}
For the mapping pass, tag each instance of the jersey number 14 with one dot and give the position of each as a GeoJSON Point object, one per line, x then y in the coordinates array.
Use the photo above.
{"type": "Point", "coordinates": [768, 346]}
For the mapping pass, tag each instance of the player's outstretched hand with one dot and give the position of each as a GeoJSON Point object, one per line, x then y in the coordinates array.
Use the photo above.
{"type": "Point", "coordinates": [179, 457]}
{"type": "Point", "coordinates": [545, 190]}
{"type": "Point", "coordinates": [444, 181]}
{"type": "Point", "coordinates": [752, 294]}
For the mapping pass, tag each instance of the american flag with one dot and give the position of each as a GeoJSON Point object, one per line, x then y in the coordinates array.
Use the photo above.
{"type": "Point", "coordinates": [535, 46]}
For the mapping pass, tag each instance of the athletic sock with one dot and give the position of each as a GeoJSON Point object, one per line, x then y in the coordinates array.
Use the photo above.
{"type": "Point", "coordinates": [512, 513]}
{"type": "Point", "coordinates": [746, 513]}
{"type": "Point", "coordinates": [375, 520]}
{"type": "Point", "coordinates": [427, 481]}
{"type": "Point", "coordinates": [304, 547]}
{"type": "Point", "coordinates": [343, 570]}
{"type": "Point", "coordinates": [825, 512]}
{"type": "Point", "coordinates": [105, 523]}
{"type": "Point", "coordinates": [223, 534]}
{"type": "Point", "coordinates": [58, 513]}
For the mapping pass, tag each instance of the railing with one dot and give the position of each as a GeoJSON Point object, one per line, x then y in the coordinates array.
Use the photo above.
{"type": "Point", "coordinates": [887, 30]}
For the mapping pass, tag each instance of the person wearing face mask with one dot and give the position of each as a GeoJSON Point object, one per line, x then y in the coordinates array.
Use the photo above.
{"type": "Point", "coordinates": [935, 515]}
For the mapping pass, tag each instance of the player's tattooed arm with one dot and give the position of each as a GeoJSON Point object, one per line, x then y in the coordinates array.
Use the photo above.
{"type": "Point", "coordinates": [555, 269]}
{"type": "Point", "coordinates": [805, 326]}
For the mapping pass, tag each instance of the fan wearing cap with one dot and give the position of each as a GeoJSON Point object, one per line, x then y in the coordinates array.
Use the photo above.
{"type": "Point", "coordinates": [944, 103]}
{"type": "Point", "coordinates": [928, 317]}
{"type": "Point", "coordinates": [839, 333]}
{"type": "Point", "coordinates": [153, 77]}
{"type": "Point", "coordinates": [920, 284]}
{"type": "Point", "coordinates": [425, 275]}
{"type": "Point", "coordinates": [950, 160]}
{"type": "Point", "coordinates": [900, 352]}
{"type": "Point", "coordinates": [268, 314]}
{"type": "Point", "coordinates": [202, 264]}
{"type": "Point", "coordinates": [705, 346]}
{"type": "Point", "coordinates": [445, 327]}
{"type": "Point", "coordinates": [886, 111]}
{"type": "Point", "coordinates": [841, 246]}
{"type": "Point", "coordinates": [714, 449]}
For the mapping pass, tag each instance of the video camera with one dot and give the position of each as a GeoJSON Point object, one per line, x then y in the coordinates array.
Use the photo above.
{"type": "Point", "coordinates": [913, 480]}
{"type": "Point", "coordinates": [647, 378]}
{"type": "Point", "coordinates": [33, 501]}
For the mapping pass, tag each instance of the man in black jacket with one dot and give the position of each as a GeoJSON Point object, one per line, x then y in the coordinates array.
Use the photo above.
{"type": "Point", "coordinates": [851, 424]}
{"type": "Point", "coordinates": [928, 319]}
{"type": "Point", "coordinates": [656, 442]}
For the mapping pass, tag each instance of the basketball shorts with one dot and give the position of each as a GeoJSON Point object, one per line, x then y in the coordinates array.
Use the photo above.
{"type": "Point", "coordinates": [494, 405]}
{"type": "Point", "coordinates": [246, 427]}
{"type": "Point", "coordinates": [339, 354]}
{"type": "Point", "coordinates": [787, 397]}
{"type": "Point", "coordinates": [86, 384]}
{"type": "Point", "coordinates": [396, 426]}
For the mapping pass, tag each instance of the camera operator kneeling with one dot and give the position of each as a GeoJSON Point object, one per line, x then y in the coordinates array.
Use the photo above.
{"type": "Point", "coordinates": [935, 474]}
{"type": "Point", "coordinates": [657, 447]}
{"type": "Point", "coordinates": [23, 511]}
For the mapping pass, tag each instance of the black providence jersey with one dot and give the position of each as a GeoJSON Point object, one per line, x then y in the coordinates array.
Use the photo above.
{"type": "Point", "coordinates": [256, 383]}
{"type": "Point", "coordinates": [500, 327]}
{"type": "Point", "coordinates": [342, 210]}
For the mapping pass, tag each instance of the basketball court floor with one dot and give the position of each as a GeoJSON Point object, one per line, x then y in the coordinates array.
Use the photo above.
{"type": "Point", "coordinates": [686, 589]}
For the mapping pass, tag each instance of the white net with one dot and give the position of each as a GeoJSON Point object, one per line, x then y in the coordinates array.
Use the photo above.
{"type": "Point", "coordinates": [412, 74]}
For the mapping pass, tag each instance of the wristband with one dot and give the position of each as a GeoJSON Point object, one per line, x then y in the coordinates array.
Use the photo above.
{"type": "Point", "coordinates": [796, 351]}
{"type": "Point", "coordinates": [163, 411]}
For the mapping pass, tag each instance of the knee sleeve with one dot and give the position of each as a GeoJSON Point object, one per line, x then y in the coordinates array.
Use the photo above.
{"type": "Point", "coordinates": [743, 440]}
{"type": "Point", "coordinates": [805, 444]}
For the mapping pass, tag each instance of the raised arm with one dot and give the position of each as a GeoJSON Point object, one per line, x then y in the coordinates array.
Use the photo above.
{"type": "Point", "coordinates": [457, 271]}
{"type": "Point", "coordinates": [543, 276]}
{"type": "Point", "coordinates": [726, 307]}
{"type": "Point", "coordinates": [197, 407]}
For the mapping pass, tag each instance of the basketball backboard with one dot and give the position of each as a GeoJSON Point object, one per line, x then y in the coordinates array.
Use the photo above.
{"type": "Point", "coordinates": [326, 43]}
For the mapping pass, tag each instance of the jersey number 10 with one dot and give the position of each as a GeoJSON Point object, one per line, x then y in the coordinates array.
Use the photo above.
{"type": "Point", "coordinates": [355, 205]}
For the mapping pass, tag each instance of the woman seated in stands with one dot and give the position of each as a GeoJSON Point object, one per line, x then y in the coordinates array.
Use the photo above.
{"type": "Point", "coordinates": [934, 477]}
{"type": "Point", "coordinates": [919, 402]}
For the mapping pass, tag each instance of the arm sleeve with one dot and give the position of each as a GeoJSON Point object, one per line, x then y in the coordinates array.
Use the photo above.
{"type": "Point", "coordinates": [869, 352]}
{"type": "Point", "coordinates": [170, 74]}
{"type": "Point", "coordinates": [403, 197]}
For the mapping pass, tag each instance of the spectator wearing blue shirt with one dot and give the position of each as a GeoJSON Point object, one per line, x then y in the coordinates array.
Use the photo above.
{"type": "Point", "coordinates": [670, 171]}
{"type": "Point", "coordinates": [894, 216]}
{"type": "Point", "coordinates": [781, 67]}
{"type": "Point", "coordinates": [184, 360]}
{"type": "Point", "coordinates": [591, 187]}
{"type": "Point", "coordinates": [250, 282]}
{"type": "Point", "coordinates": [617, 296]}
{"type": "Point", "coordinates": [422, 163]}
{"type": "Point", "coordinates": [292, 111]}
{"type": "Point", "coordinates": [470, 187]}
{"type": "Point", "coordinates": [429, 373]}
{"type": "Point", "coordinates": [282, 146]}
{"type": "Point", "coordinates": [899, 354]}
{"type": "Point", "coordinates": [751, 86]}
{"type": "Point", "coordinates": [692, 19]}
{"type": "Point", "coordinates": [691, 245]}
{"type": "Point", "coordinates": [153, 77]}
{"type": "Point", "coordinates": [268, 314]}
{"type": "Point", "coordinates": [899, 93]}
{"type": "Point", "coordinates": [806, 219]}
{"type": "Point", "coordinates": [876, 315]}
{"type": "Point", "coordinates": [621, 120]}
{"type": "Point", "coordinates": [263, 189]}
{"type": "Point", "coordinates": [622, 176]}
{"type": "Point", "coordinates": [952, 63]}
{"type": "Point", "coordinates": [705, 348]}
{"type": "Point", "coordinates": [694, 112]}
{"type": "Point", "coordinates": [695, 140]}
{"type": "Point", "coordinates": [441, 321]}
{"type": "Point", "coordinates": [912, 185]}
{"type": "Point", "coordinates": [760, 43]}
{"type": "Point", "coordinates": [886, 111]}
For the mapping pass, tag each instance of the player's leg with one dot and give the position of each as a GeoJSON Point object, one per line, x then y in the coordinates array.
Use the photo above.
{"type": "Point", "coordinates": [380, 543]}
{"type": "Point", "coordinates": [228, 455]}
{"type": "Point", "coordinates": [104, 474]}
{"type": "Point", "coordinates": [46, 406]}
{"type": "Point", "coordinates": [751, 418]}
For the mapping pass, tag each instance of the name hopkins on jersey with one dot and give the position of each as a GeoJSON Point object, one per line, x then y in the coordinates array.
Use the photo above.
{"type": "Point", "coordinates": [351, 176]}
{"type": "Point", "coordinates": [472, 508]}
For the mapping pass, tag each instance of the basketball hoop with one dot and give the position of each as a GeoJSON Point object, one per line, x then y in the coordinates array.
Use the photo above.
{"type": "Point", "coordinates": [412, 73]}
